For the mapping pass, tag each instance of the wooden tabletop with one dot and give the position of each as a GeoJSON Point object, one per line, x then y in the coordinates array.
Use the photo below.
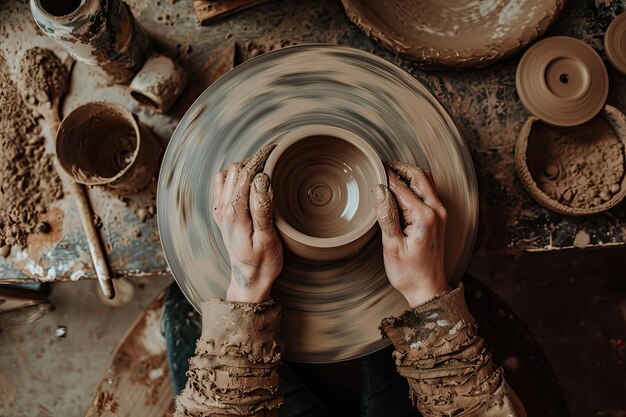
{"type": "Point", "coordinates": [483, 102]}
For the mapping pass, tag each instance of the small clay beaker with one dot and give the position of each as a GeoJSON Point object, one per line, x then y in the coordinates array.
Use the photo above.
{"type": "Point", "coordinates": [322, 179]}
{"type": "Point", "coordinates": [96, 32]}
{"type": "Point", "coordinates": [102, 143]}
{"type": "Point", "coordinates": [159, 83]}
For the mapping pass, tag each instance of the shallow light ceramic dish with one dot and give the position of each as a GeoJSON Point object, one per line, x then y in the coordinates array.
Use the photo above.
{"type": "Point", "coordinates": [615, 43]}
{"type": "Point", "coordinates": [331, 310]}
{"type": "Point", "coordinates": [322, 178]}
{"type": "Point", "coordinates": [615, 119]}
{"type": "Point", "coordinates": [454, 33]}
{"type": "Point", "coordinates": [562, 81]}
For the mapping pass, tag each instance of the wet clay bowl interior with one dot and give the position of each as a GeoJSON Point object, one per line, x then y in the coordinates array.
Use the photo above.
{"type": "Point", "coordinates": [574, 170]}
{"type": "Point", "coordinates": [453, 33]}
{"type": "Point", "coordinates": [322, 180]}
{"type": "Point", "coordinates": [562, 81]}
{"type": "Point", "coordinates": [330, 310]}
{"type": "Point", "coordinates": [101, 143]}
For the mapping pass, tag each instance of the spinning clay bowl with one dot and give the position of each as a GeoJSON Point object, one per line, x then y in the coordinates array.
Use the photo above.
{"type": "Point", "coordinates": [322, 179]}
{"type": "Point", "coordinates": [330, 309]}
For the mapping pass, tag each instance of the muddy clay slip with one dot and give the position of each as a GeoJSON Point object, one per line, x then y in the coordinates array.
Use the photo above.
{"type": "Point", "coordinates": [102, 33]}
{"type": "Point", "coordinates": [615, 43]}
{"type": "Point", "coordinates": [453, 34]}
{"type": "Point", "coordinates": [562, 81]}
{"type": "Point", "coordinates": [574, 170]}
{"type": "Point", "coordinates": [101, 143]}
{"type": "Point", "coordinates": [271, 96]}
{"type": "Point", "coordinates": [322, 179]}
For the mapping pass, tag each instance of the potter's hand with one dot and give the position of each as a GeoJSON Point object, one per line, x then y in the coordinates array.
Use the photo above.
{"type": "Point", "coordinates": [412, 237]}
{"type": "Point", "coordinates": [242, 208]}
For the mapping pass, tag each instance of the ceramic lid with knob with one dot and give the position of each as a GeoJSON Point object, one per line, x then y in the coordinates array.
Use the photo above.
{"type": "Point", "coordinates": [562, 81]}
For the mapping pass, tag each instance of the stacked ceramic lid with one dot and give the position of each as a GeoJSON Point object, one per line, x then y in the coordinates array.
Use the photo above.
{"type": "Point", "coordinates": [564, 82]}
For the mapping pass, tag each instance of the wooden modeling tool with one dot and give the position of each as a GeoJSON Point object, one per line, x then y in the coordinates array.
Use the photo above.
{"type": "Point", "coordinates": [208, 10]}
{"type": "Point", "coordinates": [44, 98]}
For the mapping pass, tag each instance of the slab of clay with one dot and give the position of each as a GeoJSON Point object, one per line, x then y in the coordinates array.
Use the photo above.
{"type": "Point", "coordinates": [331, 310]}
{"type": "Point", "coordinates": [454, 33]}
{"type": "Point", "coordinates": [562, 81]}
{"type": "Point", "coordinates": [574, 170]}
{"type": "Point", "coordinates": [615, 43]}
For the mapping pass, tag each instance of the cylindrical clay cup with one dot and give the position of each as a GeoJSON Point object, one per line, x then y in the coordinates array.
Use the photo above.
{"type": "Point", "coordinates": [322, 179]}
{"type": "Point", "coordinates": [96, 32]}
{"type": "Point", "coordinates": [102, 143]}
{"type": "Point", "coordinates": [159, 83]}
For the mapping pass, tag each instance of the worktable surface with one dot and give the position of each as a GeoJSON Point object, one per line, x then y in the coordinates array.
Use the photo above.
{"type": "Point", "coordinates": [483, 102]}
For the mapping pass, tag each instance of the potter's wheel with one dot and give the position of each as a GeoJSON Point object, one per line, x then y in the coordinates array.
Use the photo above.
{"type": "Point", "coordinates": [331, 311]}
{"type": "Point", "coordinates": [454, 33]}
{"type": "Point", "coordinates": [562, 81]}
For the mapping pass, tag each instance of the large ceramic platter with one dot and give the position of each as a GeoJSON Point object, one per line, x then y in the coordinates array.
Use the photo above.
{"type": "Point", "coordinates": [453, 33]}
{"type": "Point", "coordinates": [331, 311]}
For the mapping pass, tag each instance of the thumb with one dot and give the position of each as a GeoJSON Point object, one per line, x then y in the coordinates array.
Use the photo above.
{"type": "Point", "coordinates": [261, 203]}
{"type": "Point", "coordinates": [387, 213]}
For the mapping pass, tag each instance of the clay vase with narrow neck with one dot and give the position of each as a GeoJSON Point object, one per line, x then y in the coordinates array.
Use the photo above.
{"type": "Point", "coordinates": [96, 32]}
{"type": "Point", "coordinates": [322, 179]}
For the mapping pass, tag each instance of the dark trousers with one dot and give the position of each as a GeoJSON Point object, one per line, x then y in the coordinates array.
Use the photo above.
{"type": "Point", "coordinates": [384, 393]}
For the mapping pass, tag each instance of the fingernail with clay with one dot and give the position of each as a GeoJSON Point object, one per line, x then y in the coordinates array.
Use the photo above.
{"type": "Point", "coordinates": [262, 183]}
{"type": "Point", "coordinates": [380, 193]}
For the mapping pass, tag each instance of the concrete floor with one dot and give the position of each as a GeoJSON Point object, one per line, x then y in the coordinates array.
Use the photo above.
{"type": "Point", "coordinates": [44, 375]}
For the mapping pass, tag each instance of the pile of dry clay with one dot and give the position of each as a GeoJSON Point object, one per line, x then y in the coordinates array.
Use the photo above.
{"type": "Point", "coordinates": [28, 180]}
{"type": "Point", "coordinates": [581, 166]}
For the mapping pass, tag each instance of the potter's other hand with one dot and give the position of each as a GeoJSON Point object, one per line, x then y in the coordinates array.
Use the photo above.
{"type": "Point", "coordinates": [413, 235]}
{"type": "Point", "coordinates": [242, 208]}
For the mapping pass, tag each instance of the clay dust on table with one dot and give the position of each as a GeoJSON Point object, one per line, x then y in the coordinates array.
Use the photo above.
{"type": "Point", "coordinates": [581, 166]}
{"type": "Point", "coordinates": [44, 77]}
{"type": "Point", "coordinates": [28, 180]}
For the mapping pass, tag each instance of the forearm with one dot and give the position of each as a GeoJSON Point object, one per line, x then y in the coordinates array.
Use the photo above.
{"type": "Point", "coordinates": [447, 365]}
{"type": "Point", "coordinates": [235, 370]}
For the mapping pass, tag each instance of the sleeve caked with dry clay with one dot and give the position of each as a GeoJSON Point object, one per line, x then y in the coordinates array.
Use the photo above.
{"type": "Point", "coordinates": [448, 366]}
{"type": "Point", "coordinates": [235, 369]}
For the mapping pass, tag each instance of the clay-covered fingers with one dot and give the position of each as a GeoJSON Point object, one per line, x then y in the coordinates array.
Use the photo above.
{"type": "Point", "coordinates": [387, 213]}
{"type": "Point", "coordinates": [261, 204]}
{"type": "Point", "coordinates": [420, 182]}
{"type": "Point", "coordinates": [241, 192]}
{"type": "Point", "coordinates": [218, 190]}
{"type": "Point", "coordinates": [412, 207]}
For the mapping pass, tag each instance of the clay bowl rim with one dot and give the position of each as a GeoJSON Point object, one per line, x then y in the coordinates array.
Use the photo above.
{"type": "Point", "coordinates": [615, 119]}
{"type": "Point", "coordinates": [432, 58]}
{"type": "Point", "coordinates": [610, 46]}
{"type": "Point", "coordinates": [66, 17]}
{"type": "Point", "coordinates": [287, 140]}
{"type": "Point", "coordinates": [105, 104]}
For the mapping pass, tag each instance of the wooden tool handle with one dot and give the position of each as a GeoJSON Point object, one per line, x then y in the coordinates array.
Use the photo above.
{"type": "Point", "coordinates": [96, 249]}
{"type": "Point", "coordinates": [103, 271]}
